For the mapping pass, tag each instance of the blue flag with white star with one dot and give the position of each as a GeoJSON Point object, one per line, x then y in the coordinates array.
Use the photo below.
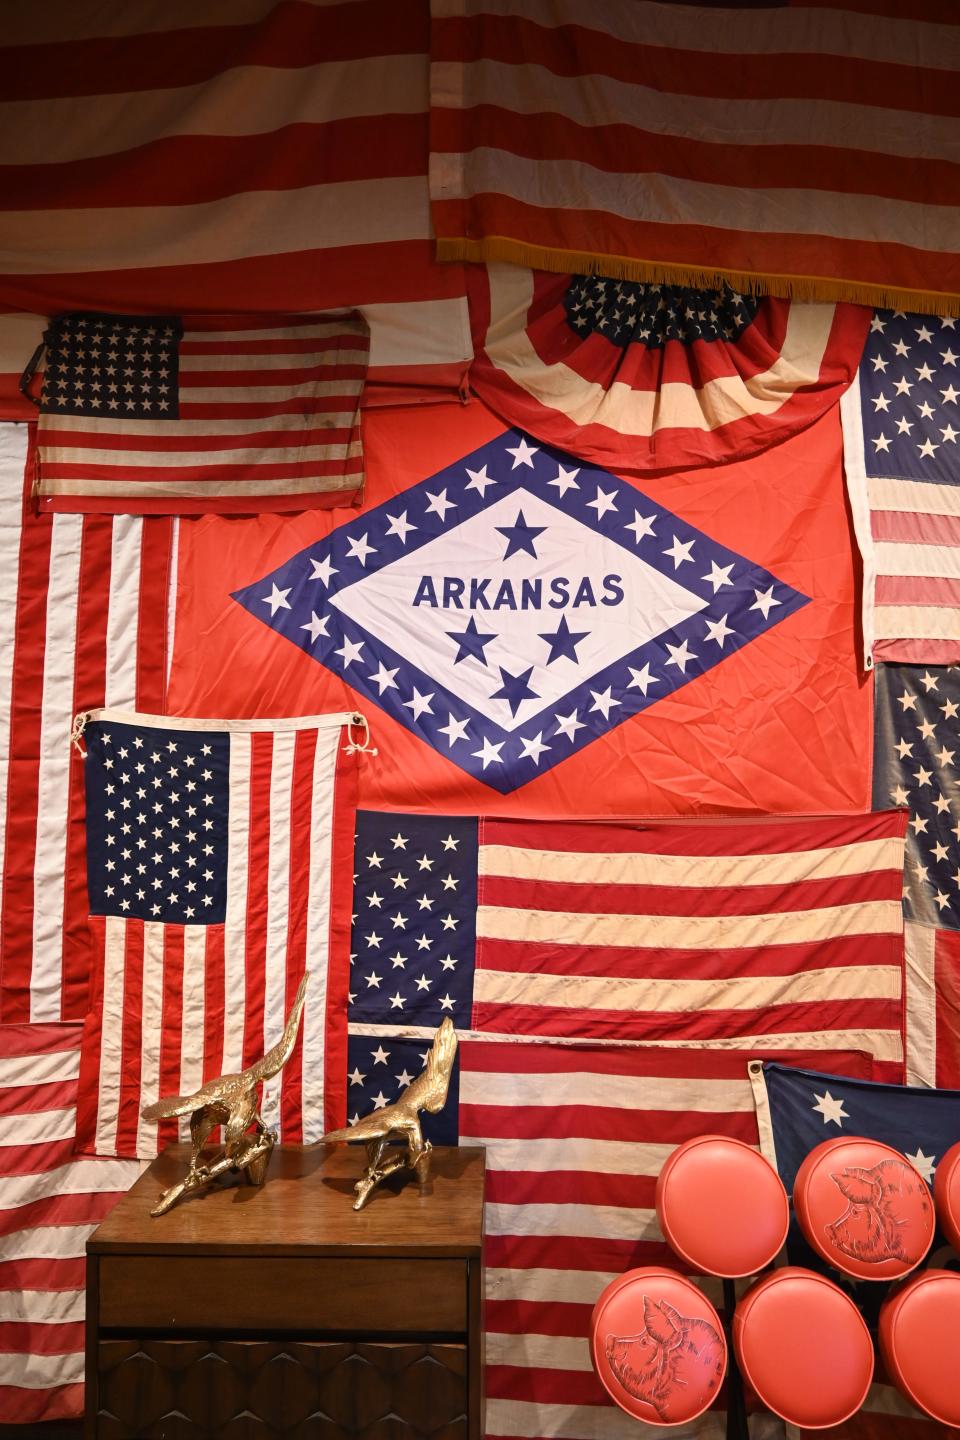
{"type": "Point", "coordinates": [517, 605]}
{"type": "Point", "coordinates": [807, 1107]}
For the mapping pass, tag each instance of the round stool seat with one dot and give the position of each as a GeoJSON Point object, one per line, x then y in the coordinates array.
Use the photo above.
{"type": "Point", "coordinates": [657, 1346]}
{"type": "Point", "coordinates": [919, 1334]}
{"type": "Point", "coordinates": [946, 1194]}
{"type": "Point", "coordinates": [721, 1206]}
{"type": "Point", "coordinates": [803, 1347]}
{"type": "Point", "coordinates": [864, 1208]}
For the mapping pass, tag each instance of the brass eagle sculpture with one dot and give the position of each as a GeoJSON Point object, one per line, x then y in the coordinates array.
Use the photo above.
{"type": "Point", "coordinates": [400, 1121]}
{"type": "Point", "coordinates": [230, 1101]}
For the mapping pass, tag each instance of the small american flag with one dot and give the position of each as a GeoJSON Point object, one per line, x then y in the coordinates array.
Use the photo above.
{"type": "Point", "coordinates": [50, 1202]}
{"type": "Point", "coordinates": [901, 445]}
{"type": "Point", "coordinates": [916, 761]}
{"type": "Point", "coordinates": [218, 869]}
{"type": "Point", "coordinates": [213, 414]}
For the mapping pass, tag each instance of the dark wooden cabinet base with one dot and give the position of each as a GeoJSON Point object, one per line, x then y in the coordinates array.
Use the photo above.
{"type": "Point", "coordinates": [184, 1389]}
{"type": "Point", "coordinates": [249, 1315]}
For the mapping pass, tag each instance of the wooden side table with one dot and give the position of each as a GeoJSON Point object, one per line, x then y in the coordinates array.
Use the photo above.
{"type": "Point", "coordinates": [282, 1312]}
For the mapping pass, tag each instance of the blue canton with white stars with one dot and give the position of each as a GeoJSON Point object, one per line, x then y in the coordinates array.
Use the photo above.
{"type": "Point", "coordinates": [157, 823]}
{"type": "Point", "coordinates": [517, 605]}
{"type": "Point", "coordinates": [910, 397]}
{"type": "Point", "coordinates": [413, 950]}
{"type": "Point", "coordinates": [628, 312]}
{"type": "Point", "coordinates": [122, 365]}
{"type": "Point", "coordinates": [916, 765]}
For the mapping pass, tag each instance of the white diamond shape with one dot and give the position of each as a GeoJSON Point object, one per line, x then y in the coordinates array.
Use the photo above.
{"type": "Point", "coordinates": [567, 550]}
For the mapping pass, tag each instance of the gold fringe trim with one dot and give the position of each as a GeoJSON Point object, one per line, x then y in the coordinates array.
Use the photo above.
{"type": "Point", "coordinates": [655, 272]}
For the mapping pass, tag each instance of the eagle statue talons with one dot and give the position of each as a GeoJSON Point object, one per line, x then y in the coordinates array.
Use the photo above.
{"type": "Point", "coordinates": [230, 1101]}
{"type": "Point", "coordinates": [400, 1122]}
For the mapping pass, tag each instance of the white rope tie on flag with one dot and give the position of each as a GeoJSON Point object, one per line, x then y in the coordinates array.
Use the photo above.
{"type": "Point", "coordinates": [79, 725]}
{"type": "Point", "coordinates": [358, 721]}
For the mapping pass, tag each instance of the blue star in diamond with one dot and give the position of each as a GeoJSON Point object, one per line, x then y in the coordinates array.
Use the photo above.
{"type": "Point", "coordinates": [471, 642]}
{"type": "Point", "coordinates": [563, 641]}
{"type": "Point", "coordinates": [515, 689]}
{"type": "Point", "coordinates": [520, 536]}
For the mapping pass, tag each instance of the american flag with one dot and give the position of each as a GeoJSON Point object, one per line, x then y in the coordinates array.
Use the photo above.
{"type": "Point", "coordinates": [218, 868]}
{"type": "Point", "coordinates": [268, 159]}
{"type": "Point", "coordinates": [799, 149]}
{"type": "Point", "coordinates": [656, 377]}
{"type": "Point", "coordinates": [83, 622]}
{"type": "Point", "coordinates": [220, 414]}
{"type": "Point", "coordinates": [761, 934]}
{"type": "Point", "coordinates": [799, 1108]}
{"type": "Point", "coordinates": [916, 761]}
{"type": "Point", "coordinates": [575, 1138]}
{"type": "Point", "coordinates": [901, 427]}
{"type": "Point", "coordinates": [50, 1202]}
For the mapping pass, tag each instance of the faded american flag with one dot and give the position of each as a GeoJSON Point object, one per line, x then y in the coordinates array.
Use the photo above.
{"type": "Point", "coordinates": [216, 413]}
{"type": "Point", "coordinates": [782, 934]}
{"type": "Point", "coordinates": [218, 871]}
{"type": "Point", "coordinates": [916, 765]}
{"type": "Point", "coordinates": [901, 427]}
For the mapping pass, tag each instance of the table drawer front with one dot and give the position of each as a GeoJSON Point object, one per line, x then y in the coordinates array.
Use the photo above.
{"type": "Point", "coordinates": [154, 1292]}
{"type": "Point", "coordinates": [241, 1388]}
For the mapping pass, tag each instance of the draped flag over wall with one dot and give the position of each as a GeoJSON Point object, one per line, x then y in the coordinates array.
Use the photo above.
{"type": "Point", "coordinates": [50, 1203]}
{"type": "Point", "coordinates": [594, 648]}
{"type": "Point", "coordinates": [901, 427]}
{"type": "Point", "coordinates": [83, 621]}
{"type": "Point", "coordinates": [805, 151]}
{"type": "Point", "coordinates": [282, 170]}
{"type": "Point", "coordinates": [218, 862]}
{"type": "Point", "coordinates": [917, 740]}
{"type": "Point", "coordinates": [221, 414]}
{"type": "Point", "coordinates": [767, 933]}
{"type": "Point", "coordinates": [655, 377]}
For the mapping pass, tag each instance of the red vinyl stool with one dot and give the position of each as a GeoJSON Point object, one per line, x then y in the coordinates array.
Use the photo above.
{"type": "Point", "coordinates": [946, 1195]}
{"type": "Point", "coordinates": [658, 1347]}
{"type": "Point", "coordinates": [919, 1334]}
{"type": "Point", "coordinates": [864, 1208]}
{"type": "Point", "coordinates": [721, 1207]}
{"type": "Point", "coordinates": [804, 1348]}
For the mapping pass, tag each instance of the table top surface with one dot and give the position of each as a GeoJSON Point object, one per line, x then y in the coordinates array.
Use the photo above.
{"type": "Point", "coordinates": [305, 1208]}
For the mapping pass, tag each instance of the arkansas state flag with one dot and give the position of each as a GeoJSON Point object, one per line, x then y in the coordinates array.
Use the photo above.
{"type": "Point", "coordinates": [531, 633]}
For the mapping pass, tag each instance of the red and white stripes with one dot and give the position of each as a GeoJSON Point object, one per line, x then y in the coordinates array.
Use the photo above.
{"type": "Point", "coordinates": [784, 933]}
{"type": "Point", "coordinates": [84, 603]}
{"type": "Point", "coordinates": [174, 1006]}
{"type": "Point", "coordinates": [50, 1203]}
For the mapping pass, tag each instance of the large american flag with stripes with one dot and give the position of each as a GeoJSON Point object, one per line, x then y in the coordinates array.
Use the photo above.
{"type": "Point", "coordinates": [83, 622]}
{"type": "Point", "coordinates": [218, 856]}
{"type": "Point", "coordinates": [265, 158]}
{"type": "Point", "coordinates": [805, 150]}
{"type": "Point", "coordinates": [50, 1202]}
{"type": "Point", "coordinates": [901, 446]}
{"type": "Point", "coordinates": [783, 934]}
{"type": "Point", "coordinates": [224, 414]}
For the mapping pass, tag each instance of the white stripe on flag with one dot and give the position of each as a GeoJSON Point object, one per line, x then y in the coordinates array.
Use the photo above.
{"type": "Point", "coordinates": [111, 1039]}
{"type": "Point", "coordinates": [13, 455]}
{"type": "Point", "coordinates": [234, 930]}
{"type": "Point", "coordinates": [151, 1029]}
{"type": "Point", "coordinates": [42, 1307]}
{"type": "Point", "coordinates": [123, 613]}
{"type": "Point", "coordinates": [278, 911]}
{"type": "Point", "coordinates": [318, 934]}
{"type": "Point", "coordinates": [193, 1016]}
{"type": "Point", "coordinates": [37, 1127]}
{"type": "Point", "coordinates": [47, 1242]}
{"type": "Point", "coordinates": [53, 791]}
{"type": "Point", "coordinates": [920, 944]}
